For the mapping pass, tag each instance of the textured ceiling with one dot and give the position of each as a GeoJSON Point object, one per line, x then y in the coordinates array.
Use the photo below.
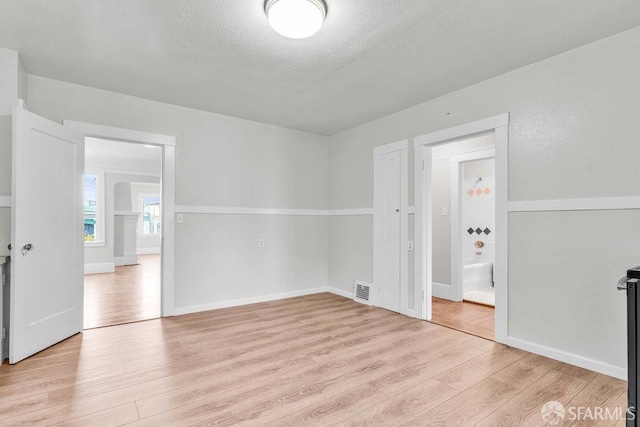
{"type": "Point", "coordinates": [370, 59]}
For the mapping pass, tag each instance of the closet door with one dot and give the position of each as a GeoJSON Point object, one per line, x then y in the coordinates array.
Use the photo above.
{"type": "Point", "coordinates": [387, 230]}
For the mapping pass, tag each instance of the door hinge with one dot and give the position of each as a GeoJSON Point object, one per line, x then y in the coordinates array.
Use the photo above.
{"type": "Point", "coordinates": [422, 295]}
{"type": "Point", "coordinates": [423, 165]}
{"type": "Point", "coordinates": [4, 333]}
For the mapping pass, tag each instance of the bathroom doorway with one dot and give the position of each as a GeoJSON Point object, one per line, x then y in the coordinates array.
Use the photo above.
{"type": "Point", "coordinates": [463, 203]}
{"type": "Point", "coordinates": [428, 213]}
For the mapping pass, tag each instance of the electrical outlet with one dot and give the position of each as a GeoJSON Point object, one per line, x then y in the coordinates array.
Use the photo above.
{"type": "Point", "coordinates": [261, 243]}
{"type": "Point", "coordinates": [180, 218]}
{"type": "Point", "coordinates": [445, 212]}
{"type": "Point", "coordinates": [410, 245]}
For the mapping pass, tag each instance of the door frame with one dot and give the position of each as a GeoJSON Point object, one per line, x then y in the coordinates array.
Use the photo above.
{"type": "Point", "coordinates": [168, 178]}
{"type": "Point", "coordinates": [402, 147]}
{"type": "Point", "coordinates": [456, 163]}
{"type": "Point", "coordinates": [424, 214]}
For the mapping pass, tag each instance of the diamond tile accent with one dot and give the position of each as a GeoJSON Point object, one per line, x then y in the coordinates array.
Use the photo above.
{"type": "Point", "coordinates": [486, 231]}
{"type": "Point", "coordinates": [470, 230]}
{"type": "Point", "coordinates": [471, 192]}
{"type": "Point", "coordinates": [478, 230]}
{"type": "Point", "coordinates": [487, 191]}
{"type": "Point", "coordinates": [478, 191]}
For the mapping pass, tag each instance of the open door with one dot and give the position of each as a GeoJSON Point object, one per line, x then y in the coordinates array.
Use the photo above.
{"type": "Point", "coordinates": [47, 234]}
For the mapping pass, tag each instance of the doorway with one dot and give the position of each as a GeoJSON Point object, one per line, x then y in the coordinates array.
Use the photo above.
{"type": "Point", "coordinates": [160, 202]}
{"type": "Point", "coordinates": [463, 201]}
{"type": "Point", "coordinates": [122, 232]}
{"type": "Point", "coordinates": [425, 218]}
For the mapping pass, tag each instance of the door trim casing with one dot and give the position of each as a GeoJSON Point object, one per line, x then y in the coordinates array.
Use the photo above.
{"type": "Point", "coordinates": [424, 214]}
{"type": "Point", "coordinates": [168, 180]}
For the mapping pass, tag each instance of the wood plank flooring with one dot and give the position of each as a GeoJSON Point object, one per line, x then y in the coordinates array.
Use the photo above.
{"type": "Point", "coordinates": [130, 294]}
{"type": "Point", "coordinates": [467, 317]}
{"type": "Point", "coordinates": [313, 360]}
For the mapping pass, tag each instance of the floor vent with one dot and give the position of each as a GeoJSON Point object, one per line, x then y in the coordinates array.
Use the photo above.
{"type": "Point", "coordinates": [362, 292]}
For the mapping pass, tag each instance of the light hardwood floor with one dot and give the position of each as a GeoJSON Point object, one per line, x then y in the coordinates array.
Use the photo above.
{"type": "Point", "coordinates": [130, 294]}
{"type": "Point", "coordinates": [314, 360]}
{"type": "Point", "coordinates": [467, 317]}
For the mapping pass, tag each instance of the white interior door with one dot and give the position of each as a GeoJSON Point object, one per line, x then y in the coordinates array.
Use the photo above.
{"type": "Point", "coordinates": [47, 235]}
{"type": "Point", "coordinates": [387, 230]}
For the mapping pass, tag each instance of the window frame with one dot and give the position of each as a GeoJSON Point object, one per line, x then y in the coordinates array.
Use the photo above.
{"type": "Point", "coordinates": [100, 239]}
{"type": "Point", "coordinates": [141, 197]}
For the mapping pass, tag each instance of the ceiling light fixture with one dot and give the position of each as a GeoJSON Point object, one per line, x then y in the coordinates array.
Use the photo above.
{"type": "Point", "coordinates": [296, 19]}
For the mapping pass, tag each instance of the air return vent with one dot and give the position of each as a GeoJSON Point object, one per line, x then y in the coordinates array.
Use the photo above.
{"type": "Point", "coordinates": [362, 292]}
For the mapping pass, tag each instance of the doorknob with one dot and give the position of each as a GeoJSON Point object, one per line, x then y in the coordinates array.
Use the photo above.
{"type": "Point", "coordinates": [10, 246]}
{"type": "Point", "coordinates": [26, 248]}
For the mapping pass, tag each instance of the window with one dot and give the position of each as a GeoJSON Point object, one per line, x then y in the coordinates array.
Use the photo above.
{"type": "Point", "coordinates": [150, 215]}
{"type": "Point", "coordinates": [93, 208]}
{"type": "Point", "coordinates": [90, 203]}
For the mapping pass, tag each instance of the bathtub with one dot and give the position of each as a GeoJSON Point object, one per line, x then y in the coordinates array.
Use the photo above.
{"type": "Point", "coordinates": [477, 275]}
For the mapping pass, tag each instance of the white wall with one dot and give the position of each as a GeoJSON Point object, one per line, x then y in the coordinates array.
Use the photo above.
{"type": "Point", "coordinates": [225, 259]}
{"type": "Point", "coordinates": [223, 162]}
{"type": "Point", "coordinates": [479, 168]}
{"type": "Point", "coordinates": [9, 76]}
{"type": "Point", "coordinates": [573, 134]}
{"type": "Point", "coordinates": [122, 197]}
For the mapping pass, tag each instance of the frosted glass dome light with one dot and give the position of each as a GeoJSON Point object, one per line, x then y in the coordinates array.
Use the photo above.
{"type": "Point", "coordinates": [296, 19]}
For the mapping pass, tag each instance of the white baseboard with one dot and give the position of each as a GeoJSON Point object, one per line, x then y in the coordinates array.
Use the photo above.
{"type": "Point", "coordinates": [440, 290]}
{"type": "Point", "coordinates": [246, 301]}
{"type": "Point", "coordinates": [148, 251]}
{"type": "Point", "coordinates": [340, 292]}
{"type": "Point", "coordinates": [99, 268]}
{"type": "Point", "coordinates": [570, 358]}
{"type": "Point", "coordinates": [125, 260]}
